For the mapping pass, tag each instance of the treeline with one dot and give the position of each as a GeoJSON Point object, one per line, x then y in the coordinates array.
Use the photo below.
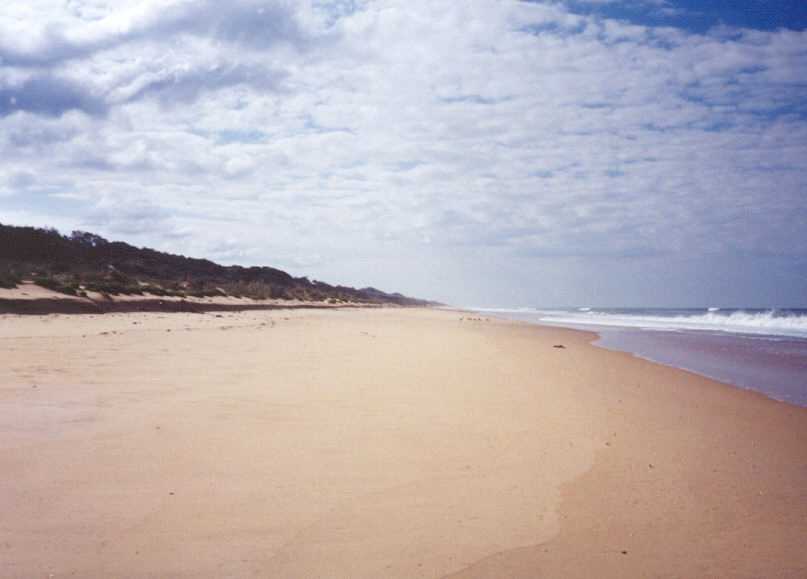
{"type": "Point", "coordinates": [84, 262]}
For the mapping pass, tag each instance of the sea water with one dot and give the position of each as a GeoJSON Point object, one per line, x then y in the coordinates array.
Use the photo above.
{"type": "Point", "coordinates": [759, 349]}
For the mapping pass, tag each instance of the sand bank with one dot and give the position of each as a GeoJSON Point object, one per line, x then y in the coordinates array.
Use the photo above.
{"type": "Point", "coordinates": [30, 299]}
{"type": "Point", "coordinates": [380, 443]}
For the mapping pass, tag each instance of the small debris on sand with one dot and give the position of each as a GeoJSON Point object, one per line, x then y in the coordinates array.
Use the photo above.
{"type": "Point", "coordinates": [559, 346]}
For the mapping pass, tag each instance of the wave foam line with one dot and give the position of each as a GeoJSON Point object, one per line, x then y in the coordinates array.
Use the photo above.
{"type": "Point", "coordinates": [764, 323]}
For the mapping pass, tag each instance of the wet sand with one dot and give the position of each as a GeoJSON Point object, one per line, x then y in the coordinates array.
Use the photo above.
{"type": "Point", "coordinates": [380, 443]}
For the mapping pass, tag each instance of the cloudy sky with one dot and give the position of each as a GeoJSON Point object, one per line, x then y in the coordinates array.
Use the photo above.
{"type": "Point", "coordinates": [587, 152]}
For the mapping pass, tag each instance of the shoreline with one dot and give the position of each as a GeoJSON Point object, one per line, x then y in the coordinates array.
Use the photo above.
{"type": "Point", "coordinates": [381, 442]}
{"type": "Point", "coordinates": [769, 365]}
{"type": "Point", "coordinates": [592, 497]}
{"type": "Point", "coordinates": [702, 374]}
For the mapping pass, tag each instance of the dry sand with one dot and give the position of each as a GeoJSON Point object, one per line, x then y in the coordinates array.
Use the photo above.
{"type": "Point", "coordinates": [380, 443]}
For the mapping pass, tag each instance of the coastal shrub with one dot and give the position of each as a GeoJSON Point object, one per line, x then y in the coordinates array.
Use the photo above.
{"type": "Point", "coordinates": [55, 284]}
{"type": "Point", "coordinates": [204, 293]}
{"type": "Point", "coordinates": [157, 291]}
{"type": "Point", "coordinates": [113, 287]}
{"type": "Point", "coordinates": [9, 279]}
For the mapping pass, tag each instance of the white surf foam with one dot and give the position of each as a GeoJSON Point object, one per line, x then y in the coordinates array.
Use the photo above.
{"type": "Point", "coordinates": [767, 323]}
{"type": "Point", "coordinates": [759, 323]}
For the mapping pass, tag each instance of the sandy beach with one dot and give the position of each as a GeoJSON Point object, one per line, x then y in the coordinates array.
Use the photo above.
{"type": "Point", "coordinates": [389, 442]}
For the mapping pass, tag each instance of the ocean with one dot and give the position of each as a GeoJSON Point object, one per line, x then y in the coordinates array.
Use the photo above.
{"type": "Point", "coordinates": [759, 349]}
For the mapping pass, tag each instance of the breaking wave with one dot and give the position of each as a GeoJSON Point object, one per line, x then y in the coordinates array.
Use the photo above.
{"type": "Point", "coordinates": [790, 323]}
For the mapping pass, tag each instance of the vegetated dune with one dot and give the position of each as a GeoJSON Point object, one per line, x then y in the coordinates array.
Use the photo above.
{"type": "Point", "coordinates": [104, 275]}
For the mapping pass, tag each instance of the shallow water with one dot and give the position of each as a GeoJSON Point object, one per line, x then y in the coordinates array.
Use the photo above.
{"type": "Point", "coordinates": [775, 367]}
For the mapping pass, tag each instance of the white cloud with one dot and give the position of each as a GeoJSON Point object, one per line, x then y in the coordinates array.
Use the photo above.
{"type": "Point", "coordinates": [368, 133]}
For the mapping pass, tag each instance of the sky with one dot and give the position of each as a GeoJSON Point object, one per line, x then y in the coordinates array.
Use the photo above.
{"type": "Point", "coordinates": [489, 153]}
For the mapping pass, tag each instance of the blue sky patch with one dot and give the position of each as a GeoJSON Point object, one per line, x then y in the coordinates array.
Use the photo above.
{"type": "Point", "coordinates": [702, 15]}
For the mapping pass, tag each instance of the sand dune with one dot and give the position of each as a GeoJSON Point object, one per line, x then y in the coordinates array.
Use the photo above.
{"type": "Point", "coordinates": [380, 443]}
{"type": "Point", "coordinates": [31, 299]}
